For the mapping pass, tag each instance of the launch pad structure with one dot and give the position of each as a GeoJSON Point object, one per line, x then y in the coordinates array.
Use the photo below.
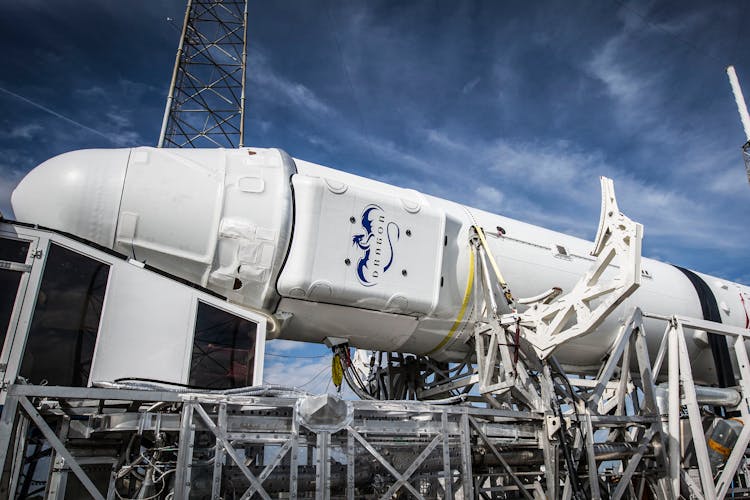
{"type": "Point", "coordinates": [509, 422]}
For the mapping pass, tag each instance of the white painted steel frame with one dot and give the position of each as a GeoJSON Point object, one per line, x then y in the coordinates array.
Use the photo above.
{"type": "Point", "coordinates": [682, 393]}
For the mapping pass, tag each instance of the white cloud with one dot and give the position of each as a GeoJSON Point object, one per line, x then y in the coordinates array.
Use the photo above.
{"type": "Point", "coordinates": [607, 66]}
{"type": "Point", "coordinates": [489, 198]}
{"type": "Point", "coordinates": [555, 167]}
{"type": "Point", "coordinates": [276, 87]}
{"type": "Point", "coordinates": [95, 91]}
{"type": "Point", "coordinates": [388, 150]}
{"type": "Point", "coordinates": [118, 120]}
{"type": "Point", "coordinates": [469, 86]}
{"type": "Point", "coordinates": [442, 140]}
{"type": "Point", "coordinates": [730, 182]}
{"type": "Point", "coordinates": [25, 131]}
{"type": "Point", "coordinates": [281, 345]}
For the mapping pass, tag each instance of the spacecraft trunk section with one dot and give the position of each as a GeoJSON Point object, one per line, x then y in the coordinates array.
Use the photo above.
{"type": "Point", "coordinates": [337, 255]}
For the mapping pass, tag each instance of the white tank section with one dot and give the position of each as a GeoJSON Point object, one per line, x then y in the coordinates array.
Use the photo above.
{"type": "Point", "coordinates": [332, 253]}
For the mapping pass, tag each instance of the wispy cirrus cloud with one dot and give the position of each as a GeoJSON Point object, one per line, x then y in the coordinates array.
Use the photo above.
{"type": "Point", "coordinates": [27, 131]}
{"type": "Point", "coordinates": [54, 113]}
{"type": "Point", "coordinates": [271, 84]}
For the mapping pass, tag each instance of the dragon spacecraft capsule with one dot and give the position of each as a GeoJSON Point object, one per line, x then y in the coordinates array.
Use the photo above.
{"type": "Point", "coordinates": [334, 254]}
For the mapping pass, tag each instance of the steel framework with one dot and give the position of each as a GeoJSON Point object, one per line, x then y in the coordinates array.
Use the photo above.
{"type": "Point", "coordinates": [106, 443]}
{"type": "Point", "coordinates": [206, 101]}
{"type": "Point", "coordinates": [601, 437]}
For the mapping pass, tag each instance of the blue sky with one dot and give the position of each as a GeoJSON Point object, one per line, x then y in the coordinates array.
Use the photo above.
{"type": "Point", "coordinates": [515, 107]}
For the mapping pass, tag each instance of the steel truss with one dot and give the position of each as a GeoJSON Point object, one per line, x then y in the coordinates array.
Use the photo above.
{"type": "Point", "coordinates": [199, 445]}
{"type": "Point", "coordinates": [606, 436]}
{"type": "Point", "coordinates": [682, 394]}
{"type": "Point", "coordinates": [600, 437]}
{"type": "Point", "coordinates": [206, 101]}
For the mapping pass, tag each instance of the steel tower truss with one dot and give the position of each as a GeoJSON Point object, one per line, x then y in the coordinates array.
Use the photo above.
{"type": "Point", "coordinates": [206, 100]}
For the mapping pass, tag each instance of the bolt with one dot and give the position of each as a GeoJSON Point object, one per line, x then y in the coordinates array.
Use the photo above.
{"type": "Point", "coordinates": [352, 220]}
{"type": "Point", "coordinates": [347, 261]}
{"type": "Point", "coordinates": [408, 232]}
{"type": "Point", "coordinates": [403, 272]}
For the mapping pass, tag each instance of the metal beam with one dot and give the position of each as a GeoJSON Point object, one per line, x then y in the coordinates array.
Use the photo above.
{"type": "Point", "coordinates": [230, 450]}
{"type": "Point", "coordinates": [59, 448]}
{"type": "Point", "coordinates": [396, 474]}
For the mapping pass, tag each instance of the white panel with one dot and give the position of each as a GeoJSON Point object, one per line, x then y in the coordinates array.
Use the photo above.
{"type": "Point", "coordinates": [145, 328]}
{"type": "Point", "coordinates": [170, 209]}
{"type": "Point", "coordinates": [255, 228]}
{"type": "Point", "coordinates": [372, 249]}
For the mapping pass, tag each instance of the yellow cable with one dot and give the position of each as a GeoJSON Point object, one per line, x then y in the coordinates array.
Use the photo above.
{"type": "Point", "coordinates": [337, 371]}
{"type": "Point", "coordinates": [498, 274]}
{"type": "Point", "coordinates": [462, 311]}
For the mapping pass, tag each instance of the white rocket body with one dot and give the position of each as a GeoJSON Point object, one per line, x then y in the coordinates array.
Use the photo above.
{"type": "Point", "coordinates": [340, 255]}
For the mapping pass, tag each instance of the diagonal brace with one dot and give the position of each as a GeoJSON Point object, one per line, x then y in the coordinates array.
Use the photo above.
{"type": "Point", "coordinates": [59, 447]}
{"type": "Point", "coordinates": [383, 461]}
{"type": "Point", "coordinates": [221, 436]}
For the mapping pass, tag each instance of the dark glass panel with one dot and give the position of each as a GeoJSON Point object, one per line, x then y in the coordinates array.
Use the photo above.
{"type": "Point", "coordinates": [9, 281]}
{"type": "Point", "coordinates": [13, 250]}
{"type": "Point", "coordinates": [63, 331]}
{"type": "Point", "coordinates": [223, 350]}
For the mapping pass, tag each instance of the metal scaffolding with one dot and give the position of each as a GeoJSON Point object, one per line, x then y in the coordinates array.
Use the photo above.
{"type": "Point", "coordinates": [206, 101]}
{"type": "Point", "coordinates": [115, 443]}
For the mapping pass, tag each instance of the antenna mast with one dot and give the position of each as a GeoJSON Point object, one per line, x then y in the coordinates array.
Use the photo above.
{"type": "Point", "coordinates": [744, 116]}
{"type": "Point", "coordinates": [206, 101]}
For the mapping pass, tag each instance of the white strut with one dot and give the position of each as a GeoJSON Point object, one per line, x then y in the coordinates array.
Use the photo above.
{"type": "Point", "coordinates": [592, 299]}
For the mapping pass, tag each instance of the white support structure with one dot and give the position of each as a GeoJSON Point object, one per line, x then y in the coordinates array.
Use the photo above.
{"type": "Point", "coordinates": [500, 369]}
{"type": "Point", "coordinates": [739, 100]}
{"type": "Point", "coordinates": [682, 393]}
{"type": "Point", "coordinates": [744, 116]}
{"type": "Point", "coordinates": [608, 397]}
{"type": "Point", "coordinates": [595, 296]}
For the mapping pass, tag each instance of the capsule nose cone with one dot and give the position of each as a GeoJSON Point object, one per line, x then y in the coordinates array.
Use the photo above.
{"type": "Point", "coordinates": [77, 192]}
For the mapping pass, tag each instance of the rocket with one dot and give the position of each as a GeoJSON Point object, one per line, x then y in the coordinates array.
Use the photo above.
{"type": "Point", "coordinates": [331, 254]}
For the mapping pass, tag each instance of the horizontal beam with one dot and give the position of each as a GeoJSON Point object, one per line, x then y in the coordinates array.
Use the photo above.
{"type": "Point", "coordinates": [702, 324]}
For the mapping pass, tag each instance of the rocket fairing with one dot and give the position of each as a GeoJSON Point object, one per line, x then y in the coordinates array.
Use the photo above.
{"type": "Point", "coordinates": [334, 254]}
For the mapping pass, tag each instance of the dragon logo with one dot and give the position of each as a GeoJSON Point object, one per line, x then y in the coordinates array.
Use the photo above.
{"type": "Point", "coordinates": [376, 243]}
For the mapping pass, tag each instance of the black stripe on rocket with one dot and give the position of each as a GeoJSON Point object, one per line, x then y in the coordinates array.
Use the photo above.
{"type": "Point", "coordinates": [718, 343]}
